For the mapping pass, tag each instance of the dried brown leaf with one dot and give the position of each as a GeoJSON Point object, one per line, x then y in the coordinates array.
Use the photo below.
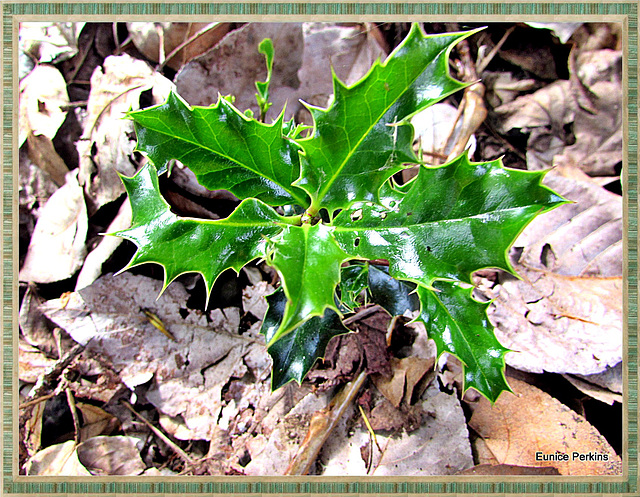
{"type": "Point", "coordinates": [539, 423]}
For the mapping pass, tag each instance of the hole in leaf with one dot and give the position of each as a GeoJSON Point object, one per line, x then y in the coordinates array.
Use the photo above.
{"type": "Point", "coordinates": [428, 248]}
{"type": "Point", "coordinates": [356, 242]}
{"type": "Point", "coordinates": [356, 215]}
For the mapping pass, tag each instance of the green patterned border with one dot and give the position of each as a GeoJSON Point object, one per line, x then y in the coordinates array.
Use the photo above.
{"type": "Point", "coordinates": [626, 11]}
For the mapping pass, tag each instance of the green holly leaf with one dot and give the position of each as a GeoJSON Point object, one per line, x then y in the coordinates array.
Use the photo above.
{"type": "Point", "coordinates": [295, 354]}
{"type": "Point", "coordinates": [224, 148]}
{"type": "Point", "coordinates": [185, 245]}
{"type": "Point", "coordinates": [459, 325]}
{"type": "Point", "coordinates": [394, 296]}
{"type": "Point", "coordinates": [364, 137]}
{"type": "Point", "coordinates": [453, 220]}
{"type": "Point", "coordinates": [266, 49]}
{"type": "Point", "coordinates": [308, 260]}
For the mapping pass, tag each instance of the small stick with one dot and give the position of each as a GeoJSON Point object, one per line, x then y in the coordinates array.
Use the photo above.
{"type": "Point", "coordinates": [33, 402]}
{"type": "Point", "coordinates": [74, 414]}
{"type": "Point", "coordinates": [322, 424]}
{"type": "Point", "coordinates": [183, 455]}
{"type": "Point", "coordinates": [363, 313]}
{"type": "Point", "coordinates": [53, 372]}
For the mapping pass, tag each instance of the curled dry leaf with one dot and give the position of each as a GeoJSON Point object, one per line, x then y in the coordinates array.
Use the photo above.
{"type": "Point", "coordinates": [92, 267]}
{"type": "Point", "coordinates": [108, 141]}
{"type": "Point", "coordinates": [57, 248]}
{"type": "Point", "coordinates": [32, 363]}
{"type": "Point", "coordinates": [598, 131]}
{"type": "Point", "coordinates": [43, 97]}
{"type": "Point", "coordinates": [56, 460]}
{"type": "Point", "coordinates": [539, 423]}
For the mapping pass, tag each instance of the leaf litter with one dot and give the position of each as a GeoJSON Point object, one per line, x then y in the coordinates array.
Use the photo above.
{"type": "Point", "coordinates": [196, 384]}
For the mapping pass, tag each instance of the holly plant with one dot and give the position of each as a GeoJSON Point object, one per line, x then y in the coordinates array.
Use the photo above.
{"type": "Point", "coordinates": [320, 203]}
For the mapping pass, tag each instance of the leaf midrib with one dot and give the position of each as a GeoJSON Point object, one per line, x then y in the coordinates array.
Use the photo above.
{"type": "Point", "coordinates": [419, 225]}
{"type": "Point", "coordinates": [342, 165]}
{"type": "Point", "coordinates": [286, 188]}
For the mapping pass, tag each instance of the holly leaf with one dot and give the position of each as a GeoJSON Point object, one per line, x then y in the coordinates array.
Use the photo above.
{"type": "Point", "coordinates": [454, 219]}
{"type": "Point", "coordinates": [459, 325]}
{"type": "Point", "coordinates": [308, 260]}
{"type": "Point", "coordinates": [394, 296]}
{"type": "Point", "coordinates": [224, 148]}
{"type": "Point", "coordinates": [364, 136]}
{"type": "Point", "coordinates": [186, 245]}
{"type": "Point", "coordinates": [295, 354]}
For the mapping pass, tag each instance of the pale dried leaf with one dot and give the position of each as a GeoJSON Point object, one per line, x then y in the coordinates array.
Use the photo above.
{"type": "Point", "coordinates": [50, 41]}
{"type": "Point", "coordinates": [583, 238]}
{"type": "Point", "coordinates": [109, 139]}
{"type": "Point", "coordinates": [111, 456]}
{"type": "Point", "coordinates": [563, 30]}
{"type": "Point", "coordinates": [559, 324]}
{"type": "Point", "coordinates": [42, 153]}
{"type": "Point", "coordinates": [56, 460]}
{"type": "Point", "coordinates": [253, 298]}
{"type": "Point", "coordinates": [610, 378]}
{"type": "Point", "coordinates": [509, 470]}
{"type": "Point", "coordinates": [33, 326]}
{"type": "Point", "coordinates": [57, 247]}
{"type": "Point", "coordinates": [284, 441]}
{"type": "Point", "coordinates": [42, 94]}
{"type": "Point", "coordinates": [92, 267]}
{"type": "Point", "coordinates": [33, 429]}
{"type": "Point", "coordinates": [32, 363]}
{"type": "Point", "coordinates": [95, 421]}
{"type": "Point", "coordinates": [538, 422]}
{"type": "Point", "coordinates": [438, 128]}
{"type": "Point", "coordinates": [439, 447]}
{"type": "Point", "coordinates": [200, 80]}
{"type": "Point", "coordinates": [188, 374]}
{"type": "Point", "coordinates": [504, 87]}
{"type": "Point", "coordinates": [598, 393]}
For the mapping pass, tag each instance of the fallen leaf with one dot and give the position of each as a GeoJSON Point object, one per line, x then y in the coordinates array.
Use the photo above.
{"type": "Point", "coordinates": [95, 421]}
{"type": "Point", "coordinates": [297, 74]}
{"type": "Point", "coordinates": [594, 391]}
{"type": "Point", "coordinates": [504, 87]}
{"type": "Point", "coordinates": [583, 238]}
{"type": "Point", "coordinates": [50, 41]}
{"type": "Point", "coordinates": [284, 441]}
{"type": "Point", "coordinates": [92, 267]}
{"type": "Point", "coordinates": [200, 81]}
{"type": "Point", "coordinates": [56, 460]}
{"type": "Point", "coordinates": [111, 456]}
{"type": "Point", "coordinates": [43, 97]}
{"type": "Point", "coordinates": [146, 39]}
{"type": "Point", "coordinates": [440, 446]}
{"type": "Point", "coordinates": [33, 428]}
{"type": "Point", "coordinates": [108, 141]}
{"type": "Point", "coordinates": [559, 324]}
{"type": "Point", "coordinates": [33, 324]}
{"type": "Point", "coordinates": [57, 247]}
{"type": "Point", "coordinates": [538, 423]}
{"type": "Point", "coordinates": [187, 375]}
{"type": "Point", "coordinates": [32, 363]}
{"type": "Point", "coordinates": [597, 132]}
{"type": "Point", "coordinates": [563, 30]}
{"type": "Point", "coordinates": [438, 128]}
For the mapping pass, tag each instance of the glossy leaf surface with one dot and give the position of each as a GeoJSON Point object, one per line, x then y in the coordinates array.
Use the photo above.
{"type": "Point", "coordinates": [185, 245]}
{"type": "Point", "coordinates": [453, 220]}
{"type": "Point", "coordinates": [224, 148]}
{"type": "Point", "coordinates": [308, 259]}
{"type": "Point", "coordinates": [459, 325]}
{"type": "Point", "coordinates": [295, 353]}
{"type": "Point", "coordinates": [363, 137]}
